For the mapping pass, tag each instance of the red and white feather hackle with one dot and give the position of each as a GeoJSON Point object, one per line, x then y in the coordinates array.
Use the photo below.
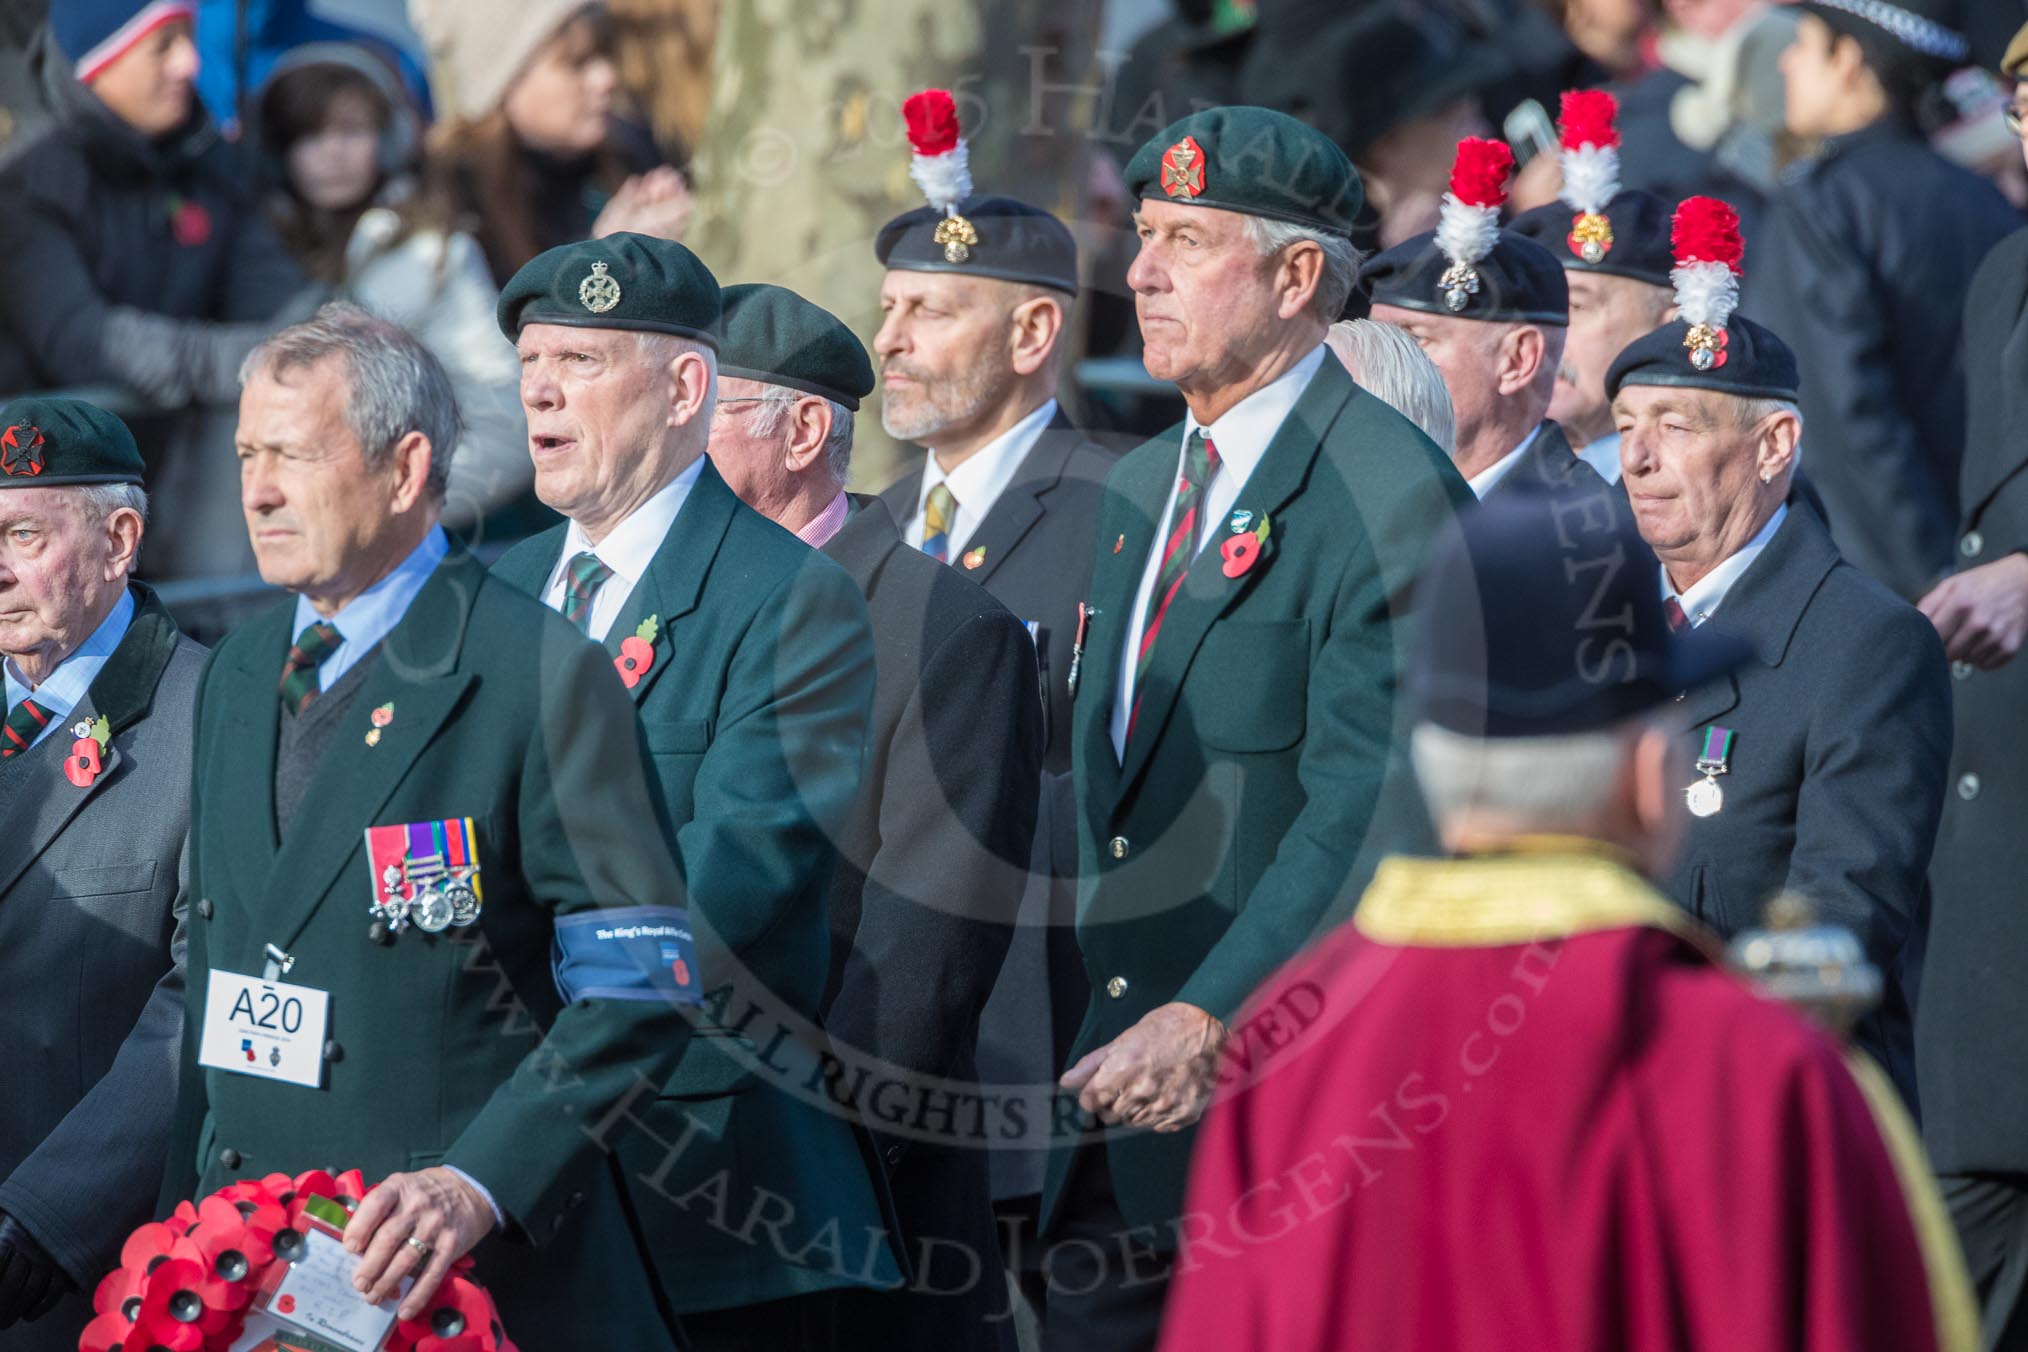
{"type": "Point", "coordinates": [1705, 239]}
{"type": "Point", "coordinates": [1589, 154]}
{"type": "Point", "coordinates": [941, 166]}
{"type": "Point", "coordinates": [1468, 223]}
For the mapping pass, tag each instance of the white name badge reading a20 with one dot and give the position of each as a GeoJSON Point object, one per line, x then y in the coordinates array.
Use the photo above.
{"type": "Point", "coordinates": [270, 1030]}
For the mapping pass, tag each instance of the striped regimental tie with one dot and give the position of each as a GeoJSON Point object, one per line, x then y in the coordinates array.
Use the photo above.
{"type": "Point", "coordinates": [581, 583]}
{"type": "Point", "coordinates": [298, 685]}
{"type": "Point", "coordinates": [1200, 462]}
{"type": "Point", "coordinates": [938, 514]}
{"type": "Point", "coordinates": [25, 722]}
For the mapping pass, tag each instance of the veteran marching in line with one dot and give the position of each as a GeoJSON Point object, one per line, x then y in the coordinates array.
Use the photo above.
{"type": "Point", "coordinates": [1269, 888]}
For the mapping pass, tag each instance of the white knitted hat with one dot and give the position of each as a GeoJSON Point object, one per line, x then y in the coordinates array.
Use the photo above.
{"type": "Point", "coordinates": [478, 47]}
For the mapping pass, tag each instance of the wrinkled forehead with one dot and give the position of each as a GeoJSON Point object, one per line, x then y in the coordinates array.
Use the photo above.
{"type": "Point", "coordinates": [1654, 401]}
{"type": "Point", "coordinates": [943, 290]}
{"type": "Point", "coordinates": [549, 340]}
{"type": "Point", "coordinates": [41, 506]}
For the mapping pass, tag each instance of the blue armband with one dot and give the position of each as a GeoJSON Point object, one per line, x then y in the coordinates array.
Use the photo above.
{"type": "Point", "coordinates": [631, 953]}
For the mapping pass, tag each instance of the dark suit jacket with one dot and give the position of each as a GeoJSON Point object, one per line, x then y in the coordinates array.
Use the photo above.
{"type": "Point", "coordinates": [1862, 264]}
{"type": "Point", "coordinates": [755, 711]}
{"type": "Point", "coordinates": [1971, 1026]}
{"type": "Point", "coordinates": [1550, 466]}
{"type": "Point", "coordinates": [1842, 723]}
{"type": "Point", "coordinates": [451, 1048]}
{"type": "Point", "coordinates": [934, 861]}
{"type": "Point", "coordinates": [1038, 543]}
{"type": "Point", "coordinates": [1243, 815]}
{"type": "Point", "coordinates": [92, 908]}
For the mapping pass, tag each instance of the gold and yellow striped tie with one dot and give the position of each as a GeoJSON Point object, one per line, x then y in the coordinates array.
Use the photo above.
{"type": "Point", "coordinates": [938, 515]}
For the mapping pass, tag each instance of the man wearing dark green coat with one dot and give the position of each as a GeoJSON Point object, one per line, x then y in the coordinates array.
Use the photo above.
{"type": "Point", "coordinates": [1235, 730]}
{"type": "Point", "coordinates": [421, 818]}
{"type": "Point", "coordinates": [750, 661]}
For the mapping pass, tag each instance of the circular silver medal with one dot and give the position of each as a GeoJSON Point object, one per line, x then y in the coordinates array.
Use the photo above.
{"type": "Point", "coordinates": [464, 902]}
{"type": "Point", "coordinates": [1704, 798]}
{"type": "Point", "coordinates": [432, 912]}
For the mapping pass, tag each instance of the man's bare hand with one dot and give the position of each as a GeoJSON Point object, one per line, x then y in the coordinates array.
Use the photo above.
{"type": "Point", "coordinates": [1157, 1074]}
{"type": "Point", "coordinates": [1982, 613]}
{"type": "Point", "coordinates": [436, 1207]}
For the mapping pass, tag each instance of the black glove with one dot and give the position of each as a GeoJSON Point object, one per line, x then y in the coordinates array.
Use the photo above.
{"type": "Point", "coordinates": [30, 1281]}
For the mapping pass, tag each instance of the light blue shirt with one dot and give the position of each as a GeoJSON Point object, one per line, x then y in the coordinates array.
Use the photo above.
{"type": "Point", "coordinates": [371, 616]}
{"type": "Point", "coordinates": [66, 686]}
{"type": "Point", "coordinates": [1603, 455]}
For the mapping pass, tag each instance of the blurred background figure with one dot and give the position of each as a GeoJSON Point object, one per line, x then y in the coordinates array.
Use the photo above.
{"type": "Point", "coordinates": [532, 151]}
{"type": "Point", "coordinates": [1972, 1005]}
{"type": "Point", "coordinates": [1865, 257]}
{"type": "Point", "coordinates": [1388, 364]}
{"type": "Point", "coordinates": [342, 136]}
{"type": "Point", "coordinates": [134, 263]}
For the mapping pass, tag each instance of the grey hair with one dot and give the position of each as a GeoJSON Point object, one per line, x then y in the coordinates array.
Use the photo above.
{"type": "Point", "coordinates": [1544, 784]}
{"type": "Point", "coordinates": [1341, 259]}
{"type": "Point", "coordinates": [395, 385]}
{"type": "Point", "coordinates": [1751, 412]}
{"type": "Point", "coordinates": [773, 409]}
{"type": "Point", "coordinates": [1389, 364]}
{"type": "Point", "coordinates": [102, 500]}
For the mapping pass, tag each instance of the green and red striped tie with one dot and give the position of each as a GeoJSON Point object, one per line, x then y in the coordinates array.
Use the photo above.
{"type": "Point", "coordinates": [25, 722]}
{"type": "Point", "coordinates": [1200, 462]}
{"type": "Point", "coordinates": [298, 685]}
{"type": "Point", "coordinates": [581, 582]}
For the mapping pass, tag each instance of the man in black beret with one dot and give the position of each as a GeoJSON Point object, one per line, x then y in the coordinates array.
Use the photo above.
{"type": "Point", "coordinates": [1820, 763]}
{"type": "Point", "coordinates": [750, 661]}
{"type": "Point", "coordinates": [1007, 493]}
{"type": "Point", "coordinates": [95, 780]}
{"type": "Point", "coordinates": [1499, 353]}
{"type": "Point", "coordinates": [1614, 246]}
{"type": "Point", "coordinates": [934, 859]}
{"type": "Point", "coordinates": [1234, 727]}
{"type": "Point", "coordinates": [1865, 259]}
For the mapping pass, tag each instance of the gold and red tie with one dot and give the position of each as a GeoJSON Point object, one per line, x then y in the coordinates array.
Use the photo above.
{"type": "Point", "coordinates": [298, 685]}
{"type": "Point", "coordinates": [939, 514]}
{"type": "Point", "coordinates": [25, 722]}
{"type": "Point", "coordinates": [1200, 462]}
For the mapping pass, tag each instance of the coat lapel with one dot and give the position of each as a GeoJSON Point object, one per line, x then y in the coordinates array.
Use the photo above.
{"type": "Point", "coordinates": [121, 694]}
{"type": "Point", "coordinates": [1989, 467]}
{"type": "Point", "coordinates": [246, 693]}
{"type": "Point", "coordinates": [1023, 503]}
{"type": "Point", "coordinates": [675, 579]}
{"type": "Point", "coordinates": [416, 669]}
{"type": "Point", "coordinates": [1128, 515]}
{"type": "Point", "coordinates": [1207, 593]}
{"type": "Point", "coordinates": [1765, 606]}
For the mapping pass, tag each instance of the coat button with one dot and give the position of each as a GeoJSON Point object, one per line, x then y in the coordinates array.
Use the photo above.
{"type": "Point", "coordinates": [1968, 787]}
{"type": "Point", "coordinates": [893, 1155]}
{"type": "Point", "coordinates": [1116, 987]}
{"type": "Point", "coordinates": [576, 1201]}
{"type": "Point", "coordinates": [333, 1051]}
{"type": "Point", "coordinates": [228, 1158]}
{"type": "Point", "coordinates": [204, 908]}
{"type": "Point", "coordinates": [1971, 544]}
{"type": "Point", "coordinates": [1117, 846]}
{"type": "Point", "coordinates": [1963, 670]}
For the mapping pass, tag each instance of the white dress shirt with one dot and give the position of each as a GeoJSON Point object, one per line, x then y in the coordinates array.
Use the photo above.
{"type": "Point", "coordinates": [628, 549]}
{"type": "Point", "coordinates": [1701, 602]}
{"type": "Point", "coordinates": [1603, 455]}
{"type": "Point", "coordinates": [371, 616]}
{"type": "Point", "coordinates": [978, 483]}
{"type": "Point", "coordinates": [1483, 482]}
{"type": "Point", "coordinates": [1241, 436]}
{"type": "Point", "coordinates": [63, 689]}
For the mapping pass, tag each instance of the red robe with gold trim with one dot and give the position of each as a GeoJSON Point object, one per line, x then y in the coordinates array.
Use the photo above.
{"type": "Point", "coordinates": [1516, 1106]}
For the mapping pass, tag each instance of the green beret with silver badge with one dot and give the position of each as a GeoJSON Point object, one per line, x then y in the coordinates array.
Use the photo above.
{"type": "Point", "coordinates": [49, 441]}
{"type": "Point", "coordinates": [623, 281]}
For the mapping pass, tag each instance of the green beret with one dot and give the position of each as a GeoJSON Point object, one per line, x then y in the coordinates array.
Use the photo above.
{"type": "Point", "coordinates": [773, 335]}
{"type": "Point", "coordinates": [623, 281]}
{"type": "Point", "coordinates": [49, 441]}
{"type": "Point", "coordinates": [1251, 160]}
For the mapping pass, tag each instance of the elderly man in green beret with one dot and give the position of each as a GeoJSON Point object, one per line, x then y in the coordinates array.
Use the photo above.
{"type": "Point", "coordinates": [95, 783]}
{"type": "Point", "coordinates": [1235, 729]}
{"type": "Point", "coordinates": [935, 855]}
{"type": "Point", "coordinates": [749, 659]}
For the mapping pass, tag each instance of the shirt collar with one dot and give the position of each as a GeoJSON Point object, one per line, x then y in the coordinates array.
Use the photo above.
{"type": "Point", "coordinates": [1242, 432]}
{"type": "Point", "coordinates": [1603, 455]}
{"type": "Point", "coordinates": [370, 616]}
{"type": "Point", "coordinates": [1483, 482]}
{"type": "Point", "coordinates": [978, 483]}
{"type": "Point", "coordinates": [1701, 601]}
{"type": "Point", "coordinates": [630, 547]}
{"type": "Point", "coordinates": [66, 686]}
{"type": "Point", "coordinates": [818, 530]}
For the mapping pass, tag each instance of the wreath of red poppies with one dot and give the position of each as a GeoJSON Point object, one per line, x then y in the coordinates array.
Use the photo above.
{"type": "Point", "coordinates": [187, 1284]}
